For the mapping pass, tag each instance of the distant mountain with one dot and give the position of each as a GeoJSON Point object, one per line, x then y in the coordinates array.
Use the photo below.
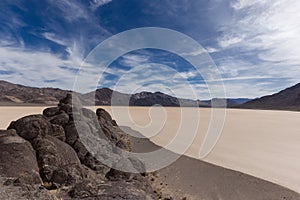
{"type": "Point", "coordinates": [106, 96]}
{"type": "Point", "coordinates": [149, 98]}
{"type": "Point", "coordinates": [288, 99]}
{"type": "Point", "coordinates": [230, 102]}
{"type": "Point", "coordinates": [18, 94]}
{"type": "Point", "coordinates": [14, 93]}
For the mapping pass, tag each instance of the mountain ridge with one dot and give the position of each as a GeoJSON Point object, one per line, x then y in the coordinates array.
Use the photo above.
{"type": "Point", "coordinates": [287, 99]}
{"type": "Point", "coordinates": [12, 94]}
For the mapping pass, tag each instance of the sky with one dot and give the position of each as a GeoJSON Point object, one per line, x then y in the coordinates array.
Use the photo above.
{"type": "Point", "coordinates": [255, 44]}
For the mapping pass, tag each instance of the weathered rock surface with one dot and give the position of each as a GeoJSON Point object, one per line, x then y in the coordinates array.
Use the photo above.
{"type": "Point", "coordinates": [111, 190]}
{"type": "Point", "coordinates": [112, 131]}
{"type": "Point", "coordinates": [58, 162]}
{"type": "Point", "coordinates": [44, 157]}
{"type": "Point", "coordinates": [17, 159]}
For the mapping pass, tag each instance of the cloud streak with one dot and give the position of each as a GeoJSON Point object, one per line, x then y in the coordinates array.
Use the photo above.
{"type": "Point", "coordinates": [255, 43]}
{"type": "Point", "coordinates": [261, 40]}
{"type": "Point", "coordinates": [95, 4]}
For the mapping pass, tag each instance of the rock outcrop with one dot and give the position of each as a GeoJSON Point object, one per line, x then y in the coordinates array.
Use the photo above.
{"type": "Point", "coordinates": [46, 153]}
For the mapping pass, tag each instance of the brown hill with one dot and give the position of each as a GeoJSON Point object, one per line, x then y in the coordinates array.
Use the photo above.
{"type": "Point", "coordinates": [288, 99]}
{"type": "Point", "coordinates": [14, 93]}
{"type": "Point", "coordinates": [18, 94]}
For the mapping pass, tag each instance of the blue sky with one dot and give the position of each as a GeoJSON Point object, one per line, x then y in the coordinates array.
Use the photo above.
{"type": "Point", "coordinates": [254, 43]}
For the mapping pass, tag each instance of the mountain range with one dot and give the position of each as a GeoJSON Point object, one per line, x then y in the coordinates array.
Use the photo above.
{"type": "Point", "coordinates": [14, 94]}
{"type": "Point", "coordinates": [287, 99]}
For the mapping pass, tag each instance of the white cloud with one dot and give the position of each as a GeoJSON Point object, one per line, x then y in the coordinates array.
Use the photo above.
{"type": "Point", "coordinates": [156, 77]}
{"type": "Point", "coordinates": [212, 49]}
{"type": "Point", "coordinates": [35, 67]}
{"type": "Point", "coordinates": [186, 75]}
{"type": "Point", "coordinates": [229, 41]}
{"type": "Point", "coordinates": [52, 37]}
{"type": "Point", "coordinates": [263, 38]}
{"type": "Point", "coordinates": [194, 53]}
{"type": "Point", "coordinates": [271, 27]}
{"type": "Point", "coordinates": [242, 4]}
{"type": "Point", "coordinates": [133, 60]}
{"type": "Point", "coordinates": [240, 78]}
{"type": "Point", "coordinates": [95, 4]}
{"type": "Point", "coordinates": [71, 10]}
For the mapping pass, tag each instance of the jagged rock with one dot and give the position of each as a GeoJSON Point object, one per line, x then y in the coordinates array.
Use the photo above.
{"type": "Point", "coordinates": [88, 125]}
{"type": "Point", "coordinates": [86, 158]}
{"type": "Point", "coordinates": [114, 123]}
{"type": "Point", "coordinates": [112, 131]}
{"type": "Point", "coordinates": [17, 159]}
{"type": "Point", "coordinates": [101, 113]}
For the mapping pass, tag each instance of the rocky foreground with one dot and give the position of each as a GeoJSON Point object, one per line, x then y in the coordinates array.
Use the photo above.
{"type": "Point", "coordinates": [42, 157]}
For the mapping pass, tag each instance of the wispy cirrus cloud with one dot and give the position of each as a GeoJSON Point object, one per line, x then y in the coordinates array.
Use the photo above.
{"type": "Point", "coordinates": [155, 77]}
{"type": "Point", "coordinates": [71, 10]}
{"type": "Point", "coordinates": [255, 43]}
{"type": "Point", "coordinates": [95, 4]}
{"type": "Point", "coordinates": [273, 33]}
{"type": "Point", "coordinates": [133, 60]}
{"type": "Point", "coordinates": [26, 70]}
{"type": "Point", "coordinates": [261, 40]}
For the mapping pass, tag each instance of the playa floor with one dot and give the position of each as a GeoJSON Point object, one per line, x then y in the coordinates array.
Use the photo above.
{"type": "Point", "coordinates": [264, 144]}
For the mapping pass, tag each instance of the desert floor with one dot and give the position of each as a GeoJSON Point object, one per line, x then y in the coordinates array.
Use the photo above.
{"type": "Point", "coordinates": [265, 144]}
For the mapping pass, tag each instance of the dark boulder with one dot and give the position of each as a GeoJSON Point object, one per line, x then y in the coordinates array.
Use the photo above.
{"type": "Point", "coordinates": [131, 168]}
{"type": "Point", "coordinates": [31, 126]}
{"type": "Point", "coordinates": [58, 132]}
{"type": "Point", "coordinates": [50, 112]}
{"type": "Point", "coordinates": [71, 133]}
{"type": "Point", "coordinates": [103, 114]}
{"type": "Point", "coordinates": [56, 160]}
{"type": "Point", "coordinates": [71, 149]}
{"type": "Point", "coordinates": [60, 119]}
{"type": "Point", "coordinates": [66, 100]}
{"type": "Point", "coordinates": [111, 130]}
{"type": "Point", "coordinates": [70, 103]}
{"type": "Point", "coordinates": [116, 190]}
{"type": "Point", "coordinates": [17, 159]}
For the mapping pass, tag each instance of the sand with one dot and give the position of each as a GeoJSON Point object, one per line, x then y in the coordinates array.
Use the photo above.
{"type": "Point", "coordinates": [196, 179]}
{"type": "Point", "coordinates": [264, 144]}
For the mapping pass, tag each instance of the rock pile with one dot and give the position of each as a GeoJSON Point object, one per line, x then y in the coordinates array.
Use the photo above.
{"type": "Point", "coordinates": [43, 157]}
